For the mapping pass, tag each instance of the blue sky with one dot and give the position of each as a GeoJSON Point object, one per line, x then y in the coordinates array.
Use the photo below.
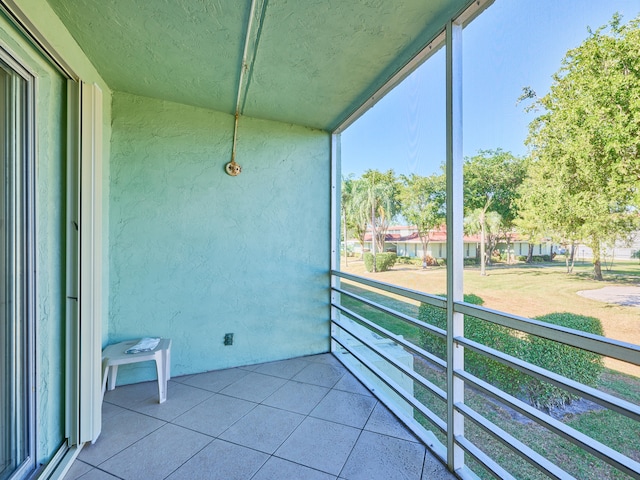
{"type": "Point", "coordinates": [513, 44]}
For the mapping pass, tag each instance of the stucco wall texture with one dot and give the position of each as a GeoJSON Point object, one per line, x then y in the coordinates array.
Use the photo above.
{"type": "Point", "coordinates": [195, 253]}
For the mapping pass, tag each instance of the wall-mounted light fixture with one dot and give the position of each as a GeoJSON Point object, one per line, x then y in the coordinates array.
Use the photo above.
{"type": "Point", "coordinates": [233, 169]}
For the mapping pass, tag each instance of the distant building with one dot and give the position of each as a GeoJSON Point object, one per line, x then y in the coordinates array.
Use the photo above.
{"type": "Point", "coordinates": [620, 250]}
{"type": "Point", "coordinates": [405, 241]}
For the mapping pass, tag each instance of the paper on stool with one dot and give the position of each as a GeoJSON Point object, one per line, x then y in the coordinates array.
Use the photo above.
{"type": "Point", "coordinates": [144, 345]}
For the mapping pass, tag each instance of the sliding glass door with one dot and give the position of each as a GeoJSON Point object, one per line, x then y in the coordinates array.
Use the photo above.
{"type": "Point", "coordinates": [16, 273]}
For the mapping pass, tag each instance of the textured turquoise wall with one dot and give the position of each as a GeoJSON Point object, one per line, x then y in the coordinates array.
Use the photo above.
{"type": "Point", "coordinates": [195, 253]}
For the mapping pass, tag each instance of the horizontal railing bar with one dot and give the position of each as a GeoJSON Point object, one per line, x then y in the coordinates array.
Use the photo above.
{"type": "Point", "coordinates": [414, 348]}
{"type": "Point", "coordinates": [440, 393]}
{"type": "Point", "coordinates": [387, 287]}
{"type": "Point", "coordinates": [432, 417]}
{"type": "Point", "coordinates": [601, 398]}
{"type": "Point", "coordinates": [465, 473]}
{"type": "Point", "coordinates": [427, 436]}
{"type": "Point", "coordinates": [487, 462]}
{"type": "Point", "coordinates": [515, 445]}
{"type": "Point", "coordinates": [586, 341]}
{"type": "Point", "coordinates": [402, 316]}
{"type": "Point", "coordinates": [609, 401]}
{"type": "Point", "coordinates": [583, 441]}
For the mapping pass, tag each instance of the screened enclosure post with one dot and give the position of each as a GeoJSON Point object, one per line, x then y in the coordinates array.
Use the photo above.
{"type": "Point", "coordinates": [90, 266]}
{"type": "Point", "coordinates": [455, 321]}
{"type": "Point", "coordinates": [336, 185]}
{"type": "Point", "coordinates": [72, 349]}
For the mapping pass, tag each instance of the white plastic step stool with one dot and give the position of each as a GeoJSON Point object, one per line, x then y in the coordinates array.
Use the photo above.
{"type": "Point", "coordinates": [114, 355]}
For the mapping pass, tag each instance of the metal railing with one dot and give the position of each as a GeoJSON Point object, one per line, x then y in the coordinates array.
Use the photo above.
{"type": "Point", "coordinates": [351, 331]}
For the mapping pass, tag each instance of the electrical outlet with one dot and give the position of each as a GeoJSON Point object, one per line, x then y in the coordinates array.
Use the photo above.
{"type": "Point", "coordinates": [228, 339]}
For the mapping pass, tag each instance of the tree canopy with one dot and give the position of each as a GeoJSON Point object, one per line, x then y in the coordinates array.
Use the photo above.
{"type": "Point", "coordinates": [370, 202]}
{"type": "Point", "coordinates": [494, 174]}
{"type": "Point", "coordinates": [584, 170]}
{"type": "Point", "coordinates": [353, 216]}
{"type": "Point", "coordinates": [423, 204]}
{"type": "Point", "coordinates": [580, 182]}
{"type": "Point", "coordinates": [492, 179]}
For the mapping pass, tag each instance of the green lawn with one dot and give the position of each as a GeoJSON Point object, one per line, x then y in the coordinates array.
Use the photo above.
{"type": "Point", "coordinates": [528, 291]}
{"type": "Point", "coordinates": [389, 322]}
{"type": "Point", "coordinates": [534, 290]}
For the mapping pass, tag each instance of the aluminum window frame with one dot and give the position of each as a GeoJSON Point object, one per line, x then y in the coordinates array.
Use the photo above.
{"type": "Point", "coordinates": [23, 204]}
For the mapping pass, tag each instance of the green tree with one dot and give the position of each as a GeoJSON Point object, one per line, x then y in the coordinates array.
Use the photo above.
{"type": "Point", "coordinates": [423, 204]}
{"type": "Point", "coordinates": [529, 226]}
{"type": "Point", "coordinates": [353, 216]}
{"type": "Point", "coordinates": [346, 204]}
{"type": "Point", "coordinates": [585, 146]}
{"type": "Point", "coordinates": [376, 198]}
{"type": "Point", "coordinates": [541, 216]}
{"type": "Point", "coordinates": [491, 182]}
{"type": "Point", "coordinates": [488, 225]}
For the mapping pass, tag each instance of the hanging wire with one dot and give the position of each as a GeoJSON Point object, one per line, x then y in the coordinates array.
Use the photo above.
{"type": "Point", "coordinates": [232, 167]}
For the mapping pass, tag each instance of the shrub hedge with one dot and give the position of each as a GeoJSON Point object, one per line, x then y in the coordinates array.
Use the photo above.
{"type": "Point", "coordinates": [408, 260]}
{"type": "Point", "coordinates": [535, 258]}
{"type": "Point", "coordinates": [494, 336]}
{"type": "Point", "coordinates": [582, 366]}
{"type": "Point", "coordinates": [384, 261]}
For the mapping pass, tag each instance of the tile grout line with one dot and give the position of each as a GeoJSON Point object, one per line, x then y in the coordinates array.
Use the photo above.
{"type": "Point", "coordinates": [357, 439]}
{"type": "Point", "coordinates": [287, 380]}
{"type": "Point", "coordinates": [130, 445]}
{"type": "Point", "coordinates": [213, 439]}
{"type": "Point", "coordinates": [307, 416]}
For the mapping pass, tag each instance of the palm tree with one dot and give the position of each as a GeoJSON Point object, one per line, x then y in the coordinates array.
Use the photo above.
{"type": "Point", "coordinates": [487, 224]}
{"type": "Point", "coordinates": [375, 198]}
{"type": "Point", "coordinates": [346, 197]}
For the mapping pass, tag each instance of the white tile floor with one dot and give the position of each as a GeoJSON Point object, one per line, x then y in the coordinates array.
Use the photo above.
{"type": "Point", "coordinates": [305, 418]}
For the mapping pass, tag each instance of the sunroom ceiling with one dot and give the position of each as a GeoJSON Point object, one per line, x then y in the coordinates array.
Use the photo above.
{"type": "Point", "coordinates": [315, 62]}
